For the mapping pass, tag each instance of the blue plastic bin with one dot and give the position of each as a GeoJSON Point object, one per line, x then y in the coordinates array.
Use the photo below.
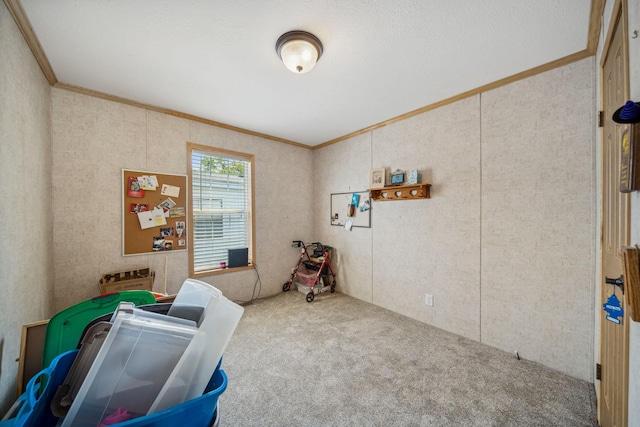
{"type": "Point", "coordinates": [35, 409]}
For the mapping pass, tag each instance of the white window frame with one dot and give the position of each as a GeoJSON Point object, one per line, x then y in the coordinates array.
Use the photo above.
{"type": "Point", "coordinates": [219, 152]}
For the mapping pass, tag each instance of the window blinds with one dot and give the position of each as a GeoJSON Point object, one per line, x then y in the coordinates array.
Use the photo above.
{"type": "Point", "coordinates": [221, 189]}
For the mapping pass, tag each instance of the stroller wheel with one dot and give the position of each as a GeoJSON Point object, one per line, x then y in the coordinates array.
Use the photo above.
{"type": "Point", "coordinates": [310, 296]}
{"type": "Point", "coordinates": [286, 286]}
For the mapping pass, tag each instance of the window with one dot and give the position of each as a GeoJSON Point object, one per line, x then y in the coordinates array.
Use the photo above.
{"type": "Point", "coordinates": [221, 207]}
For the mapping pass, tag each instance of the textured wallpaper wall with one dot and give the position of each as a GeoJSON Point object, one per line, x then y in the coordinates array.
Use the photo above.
{"type": "Point", "coordinates": [26, 282]}
{"type": "Point", "coordinates": [538, 218]}
{"type": "Point", "coordinates": [341, 168]}
{"type": "Point", "coordinates": [93, 139]}
{"type": "Point", "coordinates": [506, 243]}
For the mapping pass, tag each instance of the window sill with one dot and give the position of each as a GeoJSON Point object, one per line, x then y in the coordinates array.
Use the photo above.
{"type": "Point", "coordinates": [220, 271]}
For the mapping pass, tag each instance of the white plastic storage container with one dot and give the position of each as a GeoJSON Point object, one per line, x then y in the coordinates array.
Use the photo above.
{"type": "Point", "coordinates": [193, 298]}
{"type": "Point", "coordinates": [132, 366]}
{"type": "Point", "coordinates": [218, 321]}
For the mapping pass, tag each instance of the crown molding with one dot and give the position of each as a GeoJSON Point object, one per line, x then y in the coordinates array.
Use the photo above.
{"type": "Point", "coordinates": [20, 17]}
{"type": "Point", "coordinates": [174, 113]}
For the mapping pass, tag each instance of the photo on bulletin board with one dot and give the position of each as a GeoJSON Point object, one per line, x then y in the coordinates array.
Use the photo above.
{"type": "Point", "coordinates": [352, 208]}
{"type": "Point", "coordinates": [154, 207]}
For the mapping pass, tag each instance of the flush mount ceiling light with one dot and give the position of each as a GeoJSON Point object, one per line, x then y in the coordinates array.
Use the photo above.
{"type": "Point", "coordinates": [299, 51]}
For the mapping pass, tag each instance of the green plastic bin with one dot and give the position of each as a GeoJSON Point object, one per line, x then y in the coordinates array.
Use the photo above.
{"type": "Point", "coordinates": [64, 330]}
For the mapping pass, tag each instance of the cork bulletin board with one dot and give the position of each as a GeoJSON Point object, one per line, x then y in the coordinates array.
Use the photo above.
{"type": "Point", "coordinates": [154, 212]}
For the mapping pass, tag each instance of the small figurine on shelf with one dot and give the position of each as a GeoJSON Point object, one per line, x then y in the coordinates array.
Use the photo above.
{"type": "Point", "coordinates": [397, 177]}
{"type": "Point", "coordinates": [412, 177]}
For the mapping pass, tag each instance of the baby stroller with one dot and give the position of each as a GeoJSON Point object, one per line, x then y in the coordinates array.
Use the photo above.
{"type": "Point", "coordinates": [312, 274]}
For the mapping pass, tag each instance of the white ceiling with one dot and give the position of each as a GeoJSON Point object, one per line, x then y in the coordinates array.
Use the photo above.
{"type": "Point", "coordinates": [216, 59]}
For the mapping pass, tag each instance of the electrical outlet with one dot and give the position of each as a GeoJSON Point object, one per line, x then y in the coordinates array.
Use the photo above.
{"type": "Point", "coordinates": [428, 299]}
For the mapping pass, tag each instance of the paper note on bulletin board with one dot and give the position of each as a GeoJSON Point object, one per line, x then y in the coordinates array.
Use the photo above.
{"type": "Point", "coordinates": [361, 215]}
{"type": "Point", "coordinates": [154, 212]}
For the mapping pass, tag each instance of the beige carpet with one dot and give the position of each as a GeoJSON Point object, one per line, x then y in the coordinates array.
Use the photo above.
{"type": "Point", "coordinates": [339, 361]}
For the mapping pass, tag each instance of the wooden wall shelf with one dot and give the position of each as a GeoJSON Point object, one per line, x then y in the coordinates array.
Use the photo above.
{"type": "Point", "coordinates": [401, 192]}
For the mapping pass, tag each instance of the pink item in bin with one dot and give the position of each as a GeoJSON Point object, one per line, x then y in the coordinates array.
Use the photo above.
{"type": "Point", "coordinates": [117, 417]}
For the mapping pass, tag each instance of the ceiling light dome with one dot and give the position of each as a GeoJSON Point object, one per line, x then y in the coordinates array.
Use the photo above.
{"type": "Point", "coordinates": [299, 51]}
